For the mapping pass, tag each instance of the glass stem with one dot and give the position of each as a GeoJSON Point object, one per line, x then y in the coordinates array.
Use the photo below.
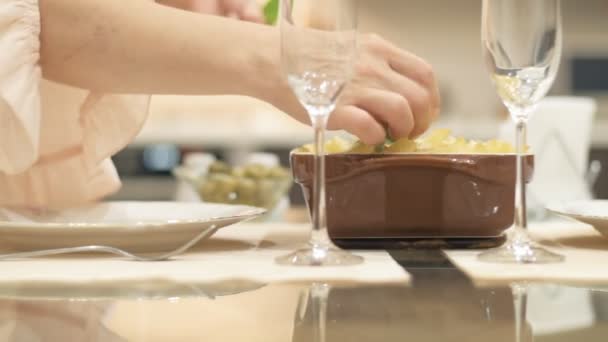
{"type": "Point", "coordinates": [319, 238]}
{"type": "Point", "coordinates": [320, 296]}
{"type": "Point", "coordinates": [520, 298]}
{"type": "Point", "coordinates": [521, 218]}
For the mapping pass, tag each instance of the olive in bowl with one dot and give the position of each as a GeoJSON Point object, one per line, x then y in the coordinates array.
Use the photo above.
{"type": "Point", "coordinates": [253, 184]}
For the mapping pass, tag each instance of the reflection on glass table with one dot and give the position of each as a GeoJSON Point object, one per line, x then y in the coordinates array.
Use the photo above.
{"type": "Point", "coordinates": [441, 304]}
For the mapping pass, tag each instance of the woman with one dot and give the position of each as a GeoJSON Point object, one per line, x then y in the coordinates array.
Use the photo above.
{"type": "Point", "coordinates": [73, 75]}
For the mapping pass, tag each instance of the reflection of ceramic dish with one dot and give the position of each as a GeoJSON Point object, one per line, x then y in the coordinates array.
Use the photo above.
{"type": "Point", "coordinates": [415, 195]}
{"type": "Point", "coordinates": [149, 290]}
{"type": "Point", "coordinates": [133, 226]}
{"type": "Point", "coordinates": [592, 212]}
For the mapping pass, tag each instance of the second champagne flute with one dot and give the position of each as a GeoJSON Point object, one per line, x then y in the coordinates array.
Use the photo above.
{"type": "Point", "coordinates": [522, 42]}
{"type": "Point", "coordinates": [318, 49]}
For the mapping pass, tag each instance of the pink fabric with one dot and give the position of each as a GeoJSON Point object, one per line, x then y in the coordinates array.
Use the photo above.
{"type": "Point", "coordinates": [55, 140]}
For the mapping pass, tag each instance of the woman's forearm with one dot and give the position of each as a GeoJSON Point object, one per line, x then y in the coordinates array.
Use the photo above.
{"type": "Point", "coordinates": [138, 46]}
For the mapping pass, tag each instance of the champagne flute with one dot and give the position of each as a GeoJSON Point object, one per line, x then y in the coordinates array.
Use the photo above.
{"type": "Point", "coordinates": [522, 42]}
{"type": "Point", "coordinates": [318, 50]}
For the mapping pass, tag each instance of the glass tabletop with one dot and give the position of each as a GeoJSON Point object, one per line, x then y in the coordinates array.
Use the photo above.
{"type": "Point", "coordinates": [439, 304]}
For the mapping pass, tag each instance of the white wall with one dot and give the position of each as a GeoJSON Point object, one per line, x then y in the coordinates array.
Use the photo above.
{"type": "Point", "coordinates": [447, 33]}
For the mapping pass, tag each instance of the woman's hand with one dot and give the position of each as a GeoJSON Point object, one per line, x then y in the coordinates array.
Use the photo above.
{"type": "Point", "coordinates": [391, 88]}
{"type": "Point", "coordinates": [393, 92]}
{"type": "Point", "coordinates": [247, 10]}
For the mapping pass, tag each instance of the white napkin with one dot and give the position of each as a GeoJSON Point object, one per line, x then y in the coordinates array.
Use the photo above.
{"type": "Point", "coordinates": [585, 249]}
{"type": "Point", "coordinates": [240, 252]}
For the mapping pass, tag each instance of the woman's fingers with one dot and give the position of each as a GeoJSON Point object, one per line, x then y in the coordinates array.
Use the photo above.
{"type": "Point", "coordinates": [252, 12]}
{"type": "Point", "coordinates": [247, 10]}
{"type": "Point", "coordinates": [357, 122]}
{"type": "Point", "coordinates": [391, 90]}
{"type": "Point", "coordinates": [388, 108]}
{"type": "Point", "coordinates": [420, 71]}
{"type": "Point", "coordinates": [411, 68]}
{"type": "Point", "coordinates": [417, 98]}
{"type": "Point", "coordinates": [410, 101]}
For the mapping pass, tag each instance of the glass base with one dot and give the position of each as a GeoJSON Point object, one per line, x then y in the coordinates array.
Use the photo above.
{"type": "Point", "coordinates": [520, 253]}
{"type": "Point", "coordinates": [319, 256]}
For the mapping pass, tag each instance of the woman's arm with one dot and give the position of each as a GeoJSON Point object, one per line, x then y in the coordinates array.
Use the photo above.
{"type": "Point", "coordinates": [138, 46]}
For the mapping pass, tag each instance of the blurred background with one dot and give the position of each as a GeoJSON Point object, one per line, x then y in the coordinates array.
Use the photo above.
{"type": "Point", "coordinates": [446, 33]}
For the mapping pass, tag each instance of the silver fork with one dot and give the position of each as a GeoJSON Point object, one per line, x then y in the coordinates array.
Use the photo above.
{"type": "Point", "coordinates": [111, 250]}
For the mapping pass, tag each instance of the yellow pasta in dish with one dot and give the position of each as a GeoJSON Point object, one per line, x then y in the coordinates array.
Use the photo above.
{"type": "Point", "coordinates": [439, 141]}
{"type": "Point", "coordinates": [403, 145]}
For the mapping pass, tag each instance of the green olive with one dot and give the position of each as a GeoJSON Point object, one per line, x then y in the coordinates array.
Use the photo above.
{"type": "Point", "coordinates": [267, 190]}
{"type": "Point", "coordinates": [238, 172]}
{"type": "Point", "coordinates": [225, 183]}
{"type": "Point", "coordinates": [253, 184]}
{"type": "Point", "coordinates": [219, 167]}
{"type": "Point", "coordinates": [206, 190]}
{"type": "Point", "coordinates": [256, 171]}
{"type": "Point", "coordinates": [246, 191]}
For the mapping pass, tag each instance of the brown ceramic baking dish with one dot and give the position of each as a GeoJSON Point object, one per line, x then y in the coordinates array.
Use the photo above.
{"type": "Point", "coordinates": [400, 196]}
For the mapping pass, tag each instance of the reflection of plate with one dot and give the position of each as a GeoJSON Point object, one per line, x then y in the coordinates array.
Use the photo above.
{"type": "Point", "coordinates": [594, 212]}
{"type": "Point", "coordinates": [160, 289]}
{"type": "Point", "coordinates": [134, 226]}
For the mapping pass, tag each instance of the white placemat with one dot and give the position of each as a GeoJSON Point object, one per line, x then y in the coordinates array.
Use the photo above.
{"type": "Point", "coordinates": [586, 253]}
{"type": "Point", "coordinates": [240, 252]}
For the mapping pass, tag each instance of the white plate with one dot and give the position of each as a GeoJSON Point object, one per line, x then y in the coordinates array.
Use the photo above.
{"type": "Point", "coordinates": [133, 226]}
{"type": "Point", "coordinates": [594, 212]}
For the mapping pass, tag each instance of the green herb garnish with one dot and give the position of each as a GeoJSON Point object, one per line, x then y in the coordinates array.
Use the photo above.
{"type": "Point", "coordinates": [387, 142]}
{"type": "Point", "coordinates": [271, 12]}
